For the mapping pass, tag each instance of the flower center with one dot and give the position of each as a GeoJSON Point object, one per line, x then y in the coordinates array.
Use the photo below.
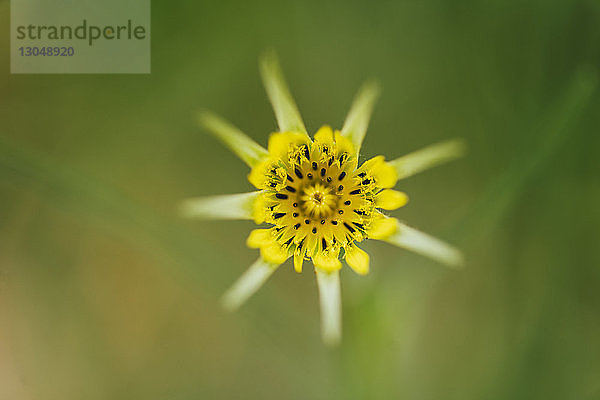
{"type": "Point", "coordinates": [317, 200]}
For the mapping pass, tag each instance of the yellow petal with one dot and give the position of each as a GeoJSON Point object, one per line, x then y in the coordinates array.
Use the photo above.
{"type": "Point", "coordinates": [258, 174]}
{"type": "Point", "coordinates": [357, 259]}
{"type": "Point", "coordinates": [259, 209]}
{"type": "Point", "coordinates": [343, 144]}
{"type": "Point", "coordinates": [385, 175]}
{"type": "Point", "coordinates": [324, 135]}
{"type": "Point", "coordinates": [298, 260]}
{"type": "Point", "coordinates": [382, 228]}
{"type": "Point", "coordinates": [274, 253]}
{"type": "Point", "coordinates": [389, 199]}
{"type": "Point", "coordinates": [260, 238]}
{"type": "Point", "coordinates": [280, 142]}
{"type": "Point", "coordinates": [326, 262]}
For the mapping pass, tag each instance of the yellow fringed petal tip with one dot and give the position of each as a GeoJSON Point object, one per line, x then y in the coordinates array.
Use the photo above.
{"type": "Point", "coordinates": [382, 228]}
{"type": "Point", "coordinates": [259, 238]}
{"type": "Point", "coordinates": [274, 253]}
{"type": "Point", "coordinates": [389, 199]}
{"type": "Point", "coordinates": [327, 262]}
{"type": "Point", "coordinates": [357, 259]}
{"type": "Point", "coordinates": [317, 199]}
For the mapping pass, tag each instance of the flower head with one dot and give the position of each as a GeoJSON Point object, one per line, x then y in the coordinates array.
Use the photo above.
{"type": "Point", "coordinates": [317, 200]}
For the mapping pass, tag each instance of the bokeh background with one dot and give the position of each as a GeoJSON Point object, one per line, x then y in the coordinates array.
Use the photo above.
{"type": "Point", "coordinates": [105, 293]}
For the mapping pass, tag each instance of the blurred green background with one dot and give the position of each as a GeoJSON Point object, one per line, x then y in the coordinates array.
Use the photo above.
{"type": "Point", "coordinates": [106, 294]}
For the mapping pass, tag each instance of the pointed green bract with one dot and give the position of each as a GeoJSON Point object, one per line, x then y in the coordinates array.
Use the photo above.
{"type": "Point", "coordinates": [227, 206]}
{"type": "Point", "coordinates": [330, 301]}
{"type": "Point", "coordinates": [237, 141]}
{"type": "Point", "coordinates": [428, 157]}
{"type": "Point", "coordinates": [425, 245]}
{"type": "Point", "coordinates": [357, 121]}
{"type": "Point", "coordinates": [286, 112]}
{"type": "Point", "coordinates": [247, 284]}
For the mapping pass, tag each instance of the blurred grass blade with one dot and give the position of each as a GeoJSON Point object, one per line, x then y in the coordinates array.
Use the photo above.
{"type": "Point", "coordinates": [428, 157]}
{"type": "Point", "coordinates": [425, 245]}
{"type": "Point", "coordinates": [227, 206]}
{"type": "Point", "coordinates": [560, 120]}
{"type": "Point", "coordinates": [330, 300]}
{"type": "Point", "coordinates": [357, 121]}
{"type": "Point", "coordinates": [237, 141]}
{"type": "Point", "coordinates": [247, 284]}
{"type": "Point", "coordinates": [286, 111]}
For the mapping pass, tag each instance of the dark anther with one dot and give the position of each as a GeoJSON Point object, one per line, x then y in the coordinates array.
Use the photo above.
{"type": "Point", "coordinates": [323, 170]}
{"type": "Point", "coordinates": [295, 204]}
{"type": "Point", "coordinates": [351, 229]}
{"type": "Point", "coordinates": [289, 178]}
{"type": "Point", "coordinates": [359, 212]}
{"type": "Point", "coordinates": [281, 196]}
{"type": "Point", "coordinates": [272, 184]}
{"type": "Point", "coordinates": [356, 191]}
{"type": "Point", "coordinates": [314, 230]}
{"type": "Point", "coordinates": [360, 226]}
{"type": "Point", "coordinates": [340, 188]}
{"type": "Point", "coordinates": [334, 222]}
{"type": "Point", "coordinates": [289, 241]}
{"type": "Point", "coordinates": [298, 173]}
{"type": "Point", "coordinates": [297, 226]}
{"type": "Point", "coordinates": [278, 215]}
{"type": "Point", "coordinates": [314, 165]}
{"type": "Point", "coordinates": [347, 202]}
{"type": "Point", "coordinates": [342, 175]}
{"type": "Point", "coordinates": [322, 222]}
{"type": "Point", "coordinates": [290, 189]}
{"type": "Point", "coordinates": [307, 221]}
{"type": "Point", "coordinates": [323, 243]}
{"type": "Point", "coordinates": [295, 215]}
{"type": "Point", "coordinates": [343, 158]}
{"type": "Point", "coordinates": [362, 174]}
{"type": "Point", "coordinates": [273, 171]}
{"type": "Point", "coordinates": [306, 152]}
{"type": "Point", "coordinates": [330, 161]}
{"type": "Point", "coordinates": [309, 175]}
{"type": "Point", "coordinates": [366, 181]}
{"type": "Point", "coordinates": [341, 212]}
{"type": "Point", "coordinates": [329, 179]}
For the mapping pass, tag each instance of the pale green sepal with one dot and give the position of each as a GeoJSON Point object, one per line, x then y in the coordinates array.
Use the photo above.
{"type": "Point", "coordinates": [330, 301]}
{"type": "Point", "coordinates": [357, 121]}
{"type": "Point", "coordinates": [227, 206]}
{"type": "Point", "coordinates": [237, 141]}
{"type": "Point", "coordinates": [428, 157]}
{"type": "Point", "coordinates": [425, 245]}
{"type": "Point", "coordinates": [247, 284]}
{"type": "Point", "coordinates": [287, 114]}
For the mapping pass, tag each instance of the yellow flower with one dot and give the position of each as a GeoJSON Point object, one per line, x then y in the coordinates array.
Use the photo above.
{"type": "Point", "coordinates": [317, 200]}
